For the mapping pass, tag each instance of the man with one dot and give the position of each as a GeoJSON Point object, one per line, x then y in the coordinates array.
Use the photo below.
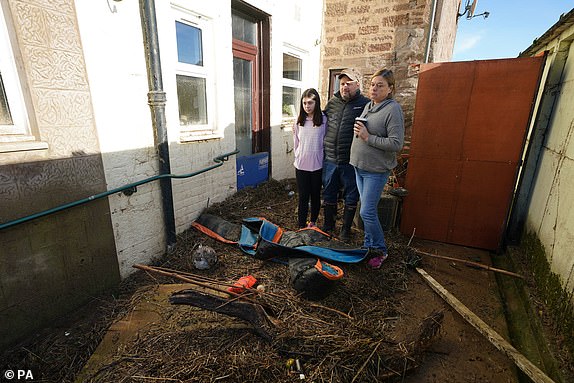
{"type": "Point", "coordinates": [341, 111]}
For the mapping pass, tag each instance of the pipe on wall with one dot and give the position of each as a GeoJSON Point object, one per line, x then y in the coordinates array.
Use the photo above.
{"type": "Point", "coordinates": [128, 189]}
{"type": "Point", "coordinates": [431, 27]}
{"type": "Point", "coordinates": [156, 101]}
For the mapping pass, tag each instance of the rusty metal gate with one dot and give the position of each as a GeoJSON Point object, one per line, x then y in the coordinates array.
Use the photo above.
{"type": "Point", "coordinates": [469, 129]}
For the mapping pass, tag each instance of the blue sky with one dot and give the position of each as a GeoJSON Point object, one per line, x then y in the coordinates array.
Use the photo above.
{"type": "Point", "coordinates": [510, 28]}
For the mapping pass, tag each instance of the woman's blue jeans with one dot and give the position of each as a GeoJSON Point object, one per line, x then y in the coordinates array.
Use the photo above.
{"type": "Point", "coordinates": [371, 186]}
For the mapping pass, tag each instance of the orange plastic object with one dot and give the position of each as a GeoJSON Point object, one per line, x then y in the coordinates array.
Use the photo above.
{"type": "Point", "coordinates": [242, 283]}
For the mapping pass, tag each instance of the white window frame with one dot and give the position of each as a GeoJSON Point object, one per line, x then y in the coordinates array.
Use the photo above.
{"type": "Point", "coordinates": [18, 135]}
{"type": "Point", "coordinates": [204, 23]}
{"type": "Point", "coordinates": [301, 55]}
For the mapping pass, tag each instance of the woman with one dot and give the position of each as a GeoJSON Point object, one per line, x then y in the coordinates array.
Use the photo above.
{"type": "Point", "coordinates": [308, 133]}
{"type": "Point", "coordinates": [373, 154]}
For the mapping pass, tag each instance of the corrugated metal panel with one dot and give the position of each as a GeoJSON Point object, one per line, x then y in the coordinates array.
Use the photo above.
{"type": "Point", "coordinates": [469, 127]}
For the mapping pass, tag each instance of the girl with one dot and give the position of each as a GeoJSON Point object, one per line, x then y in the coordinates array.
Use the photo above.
{"type": "Point", "coordinates": [308, 134]}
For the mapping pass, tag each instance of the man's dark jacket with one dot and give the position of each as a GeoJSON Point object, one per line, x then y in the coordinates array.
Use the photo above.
{"type": "Point", "coordinates": [340, 120]}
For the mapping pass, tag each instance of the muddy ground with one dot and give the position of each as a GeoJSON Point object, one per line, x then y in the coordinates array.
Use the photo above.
{"type": "Point", "coordinates": [367, 329]}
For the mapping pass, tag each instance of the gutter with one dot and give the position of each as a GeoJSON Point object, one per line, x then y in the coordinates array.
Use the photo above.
{"type": "Point", "coordinates": [564, 22]}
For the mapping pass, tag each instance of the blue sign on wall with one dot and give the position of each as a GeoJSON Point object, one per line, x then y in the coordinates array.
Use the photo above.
{"type": "Point", "coordinates": [252, 170]}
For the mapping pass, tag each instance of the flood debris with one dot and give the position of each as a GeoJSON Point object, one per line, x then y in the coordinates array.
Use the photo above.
{"type": "Point", "coordinates": [329, 342]}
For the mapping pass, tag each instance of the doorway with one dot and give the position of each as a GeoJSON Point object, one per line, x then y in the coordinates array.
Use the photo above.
{"type": "Point", "coordinates": [250, 32]}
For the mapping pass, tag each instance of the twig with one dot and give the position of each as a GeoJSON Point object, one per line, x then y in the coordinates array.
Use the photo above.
{"type": "Point", "coordinates": [412, 236]}
{"type": "Point", "coordinates": [30, 352]}
{"type": "Point", "coordinates": [183, 278]}
{"type": "Point", "coordinates": [330, 309]}
{"type": "Point", "coordinates": [482, 266]}
{"type": "Point", "coordinates": [366, 361]}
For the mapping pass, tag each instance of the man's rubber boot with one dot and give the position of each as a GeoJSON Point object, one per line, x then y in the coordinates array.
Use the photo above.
{"type": "Point", "coordinates": [348, 217]}
{"type": "Point", "coordinates": [330, 213]}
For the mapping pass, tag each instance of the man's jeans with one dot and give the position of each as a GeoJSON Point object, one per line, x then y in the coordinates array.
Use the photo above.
{"type": "Point", "coordinates": [335, 176]}
{"type": "Point", "coordinates": [371, 186]}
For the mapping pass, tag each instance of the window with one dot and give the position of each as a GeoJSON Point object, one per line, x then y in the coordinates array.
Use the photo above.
{"type": "Point", "coordinates": [243, 28]}
{"type": "Point", "coordinates": [192, 77]}
{"type": "Point", "coordinates": [333, 81]}
{"type": "Point", "coordinates": [15, 134]}
{"type": "Point", "coordinates": [189, 44]}
{"type": "Point", "coordinates": [292, 76]}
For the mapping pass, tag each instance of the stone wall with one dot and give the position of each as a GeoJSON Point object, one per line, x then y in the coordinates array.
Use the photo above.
{"type": "Point", "coordinates": [374, 34]}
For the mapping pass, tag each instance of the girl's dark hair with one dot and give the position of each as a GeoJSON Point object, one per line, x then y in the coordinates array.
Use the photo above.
{"type": "Point", "coordinates": [317, 115]}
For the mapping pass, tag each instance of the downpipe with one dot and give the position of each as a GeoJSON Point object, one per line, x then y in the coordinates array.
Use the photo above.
{"type": "Point", "coordinates": [156, 101]}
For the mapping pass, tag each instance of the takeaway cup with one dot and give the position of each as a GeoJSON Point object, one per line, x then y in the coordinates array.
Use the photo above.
{"type": "Point", "coordinates": [361, 119]}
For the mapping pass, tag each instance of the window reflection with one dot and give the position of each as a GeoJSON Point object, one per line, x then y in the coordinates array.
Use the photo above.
{"type": "Point", "coordinates": [5, 116]}
{"type": "Point", "coordinates": [192, 100]}
{"type": "Point", "coordinates": [244, 29]}
{"type": "Point", "coordinates": [291, 67]}
{"type": "Point", "coordinates": [291, 98]}
{"type": "Point", "coordinates": [189, 47]}
{"type": "Point", "coordinates": [243, 90]}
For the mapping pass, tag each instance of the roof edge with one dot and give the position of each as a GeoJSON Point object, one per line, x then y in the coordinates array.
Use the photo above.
{"type": "Point", "coordinates": [564, 22]}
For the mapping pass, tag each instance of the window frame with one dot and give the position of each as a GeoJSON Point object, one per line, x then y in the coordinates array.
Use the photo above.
{"type": "Point", "coordinates": [17, 136]}
{"type": "Point", "coordinates": [297, 84]}
{"type": "Point", "coordinates": [333, 81]}
{"type": "Point", "coordinates": [196, 132]}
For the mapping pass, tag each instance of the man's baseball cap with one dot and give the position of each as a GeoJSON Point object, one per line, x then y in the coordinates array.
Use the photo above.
{"type": "Point", "coordinates": [351, 73]}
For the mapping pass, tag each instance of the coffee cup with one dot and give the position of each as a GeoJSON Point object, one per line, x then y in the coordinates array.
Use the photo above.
{"type": "Point", "coordinates": [360, 119]}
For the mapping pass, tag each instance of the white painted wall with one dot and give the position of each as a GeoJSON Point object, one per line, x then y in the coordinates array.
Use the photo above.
{"type": "Point", "coordinates": [115, 62]}
{"type": "Point", "coordinates": [551, 210]}
{"type": "Point", "coordinates": [296, 28]}
{"type": "Point", "coordinates": [192, 195]}
{"type": "Point", "coordinates": [112, 40]}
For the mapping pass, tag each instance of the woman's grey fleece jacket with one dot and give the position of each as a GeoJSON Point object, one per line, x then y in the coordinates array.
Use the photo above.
{"type": "Point", "coordinates": [386, 128]}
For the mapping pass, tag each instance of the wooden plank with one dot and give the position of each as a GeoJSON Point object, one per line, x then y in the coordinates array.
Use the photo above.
{"type": "Point", "coordinates": [533, 372]}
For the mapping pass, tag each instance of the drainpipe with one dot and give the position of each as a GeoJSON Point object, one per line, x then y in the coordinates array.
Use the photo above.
{"type": "Point", "coordinates": [431, 27]}
{"type": "Point", "coordinates": [156, 101]}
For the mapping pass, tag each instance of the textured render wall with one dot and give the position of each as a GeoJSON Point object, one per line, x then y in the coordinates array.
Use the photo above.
{"type": "Point", "coordinates": [550, 214]}
{"type": "Point", "coordinates": [53, 264]}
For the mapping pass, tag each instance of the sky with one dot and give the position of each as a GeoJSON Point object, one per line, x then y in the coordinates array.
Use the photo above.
{"type": "Point", "coordinates": [509, 29]}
